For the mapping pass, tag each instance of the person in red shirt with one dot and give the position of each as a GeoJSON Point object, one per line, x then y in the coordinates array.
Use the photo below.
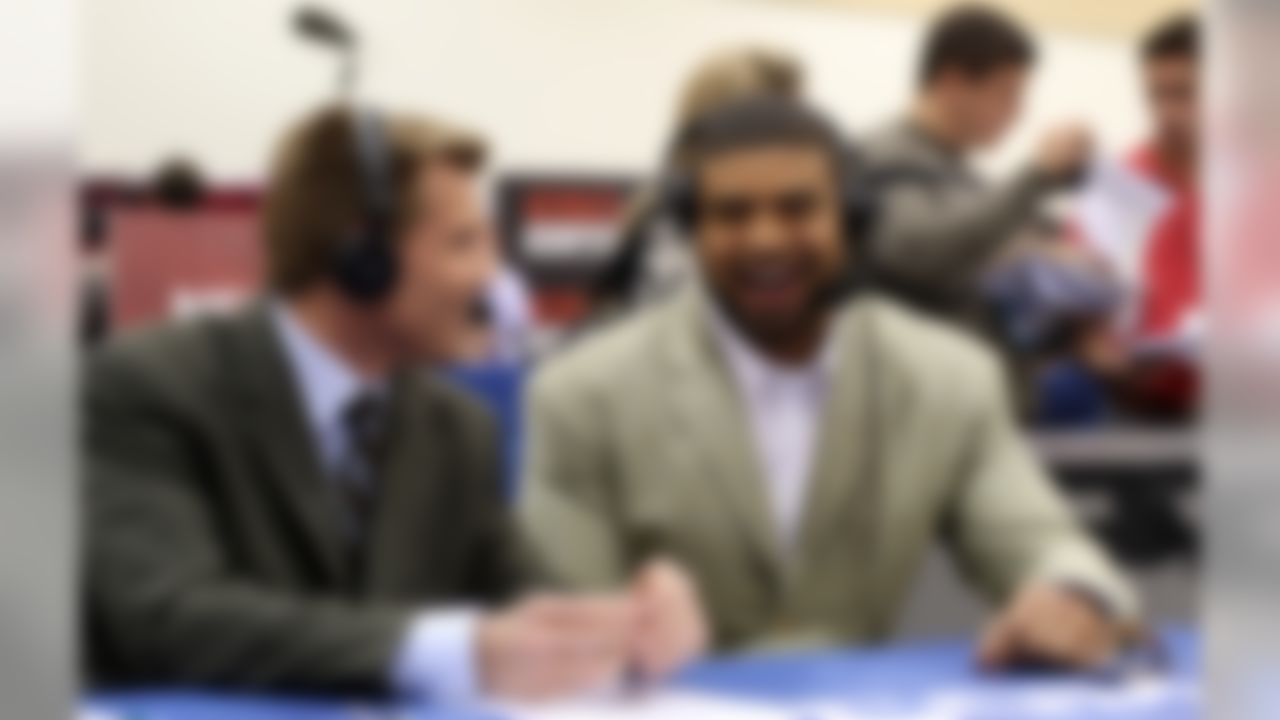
{"type": "Point", "coordinates": [1170, 300]}
{"type": "Point", "coordinates": [1168, 309]}
{"type": "Point", "coordinates": [1145, 356]}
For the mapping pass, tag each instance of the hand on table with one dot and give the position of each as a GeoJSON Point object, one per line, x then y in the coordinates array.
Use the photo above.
{"type": "Point", "coordinates": [1049, 624]}
{"type": "Point", "coordinates": [561, 645]}
{"type": "Point", "coordinates": [671, 630]}
{"type": "Point", "coordinates": [551, 646]}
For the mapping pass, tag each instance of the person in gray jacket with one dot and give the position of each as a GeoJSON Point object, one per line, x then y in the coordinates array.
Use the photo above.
{"type": "Point", "coordinates": [939, 223]}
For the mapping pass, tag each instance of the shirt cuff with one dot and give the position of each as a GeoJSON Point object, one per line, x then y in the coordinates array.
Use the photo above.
{"type": "Point", "coordinates": [437, 659]}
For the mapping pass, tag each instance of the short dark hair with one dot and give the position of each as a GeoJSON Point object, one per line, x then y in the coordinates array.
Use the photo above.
{"type": "Point", "coordinates": [178, 184]}
{"type": "Point", "coordinates": [753, 122]}
{"type": "Point", "coordinates": [316, 193]}
{"type": "Point", "coordinates": [974, 39]}
{"type": "Point", "coordinates": [1174, 37]}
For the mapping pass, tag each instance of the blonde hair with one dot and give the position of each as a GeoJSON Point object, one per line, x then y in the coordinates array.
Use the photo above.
{"type": "Point", "coordinates": [736, 73]}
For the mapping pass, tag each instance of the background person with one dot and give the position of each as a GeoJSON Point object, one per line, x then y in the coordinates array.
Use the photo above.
{"type": "Point", "coordinates": [1143, 222]}
{"type": "Point", "coordinates": [940, 223]}
{"type": "Point", "coordinates": [795, 456]}
{"type": "Point", "coordinates": [1170, 303]}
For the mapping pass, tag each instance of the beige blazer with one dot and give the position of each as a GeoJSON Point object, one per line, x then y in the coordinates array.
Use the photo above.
{"type": "Point", "coordinates": [639, 446]}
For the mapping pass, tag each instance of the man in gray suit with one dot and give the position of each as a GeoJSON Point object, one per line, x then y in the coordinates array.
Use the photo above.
{"type": "Point", "coordinates": [278, 500]}
{"type": "Point", "coordinates": [790, 456]}
{"type": "Point", "coordinates": [941, 224]}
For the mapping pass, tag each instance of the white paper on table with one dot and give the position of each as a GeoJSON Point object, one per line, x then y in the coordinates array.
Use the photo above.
{"type": "Point", "coordinates": [1118, 212]}
{"type": "Point", "coordinates": [655, 705]}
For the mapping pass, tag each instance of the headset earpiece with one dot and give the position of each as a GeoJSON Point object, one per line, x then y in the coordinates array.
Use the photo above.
{"type": "Point", "coordinates": [679, 199]}
{"type": "Point", "coordinates": [365, 263]}
{"type": "Point", "coordinates": [861, 210]}
{"type": "Point", "coordinates": [365, 266]}
{"type": "Point", "coordinates": [861, 199]}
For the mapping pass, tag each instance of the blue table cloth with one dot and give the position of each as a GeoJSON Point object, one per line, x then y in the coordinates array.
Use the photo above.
{"type": "Point", "coordinates": [932, 679]}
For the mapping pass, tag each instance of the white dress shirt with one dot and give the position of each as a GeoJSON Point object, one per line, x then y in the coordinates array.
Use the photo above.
{"type": "Point", "coordinates": [784, 406]}
{"type": "Point", "coordinates": [437, 656]}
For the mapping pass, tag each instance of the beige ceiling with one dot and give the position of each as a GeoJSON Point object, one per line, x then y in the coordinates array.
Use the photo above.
{"type": "Point", "coordinates": [1100, 17]}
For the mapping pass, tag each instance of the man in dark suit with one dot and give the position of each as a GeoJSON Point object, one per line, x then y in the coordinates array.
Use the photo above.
{"type": "Point", "coordinates": [274, 501]}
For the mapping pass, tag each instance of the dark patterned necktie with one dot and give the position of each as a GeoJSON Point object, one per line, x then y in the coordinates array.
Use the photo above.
{"type": "Point", "coordinates": [367, 423]}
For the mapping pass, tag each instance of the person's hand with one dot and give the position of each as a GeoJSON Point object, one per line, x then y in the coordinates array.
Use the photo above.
{"type": "Point", "coordinates": [551, 646]}
{"type": "Point", "coordinates": [1104, 352]}
{"type": "Point", "coordinates": [1064, 152]}
{"type": "Point", "coordinates": [671, 629]}
{"type": "Point", "coordinates": [1049, 625]}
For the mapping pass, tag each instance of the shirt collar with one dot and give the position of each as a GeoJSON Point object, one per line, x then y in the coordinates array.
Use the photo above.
{"type": "Point", "coordinates": [757, 373]}
{"type": "Point", "coordinates": [327, 383]}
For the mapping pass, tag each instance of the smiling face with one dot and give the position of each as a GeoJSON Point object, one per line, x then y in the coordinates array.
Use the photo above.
{"type": "Point", "coordinates": [447, 258]}
{"type": "Point", "coordinates": [770, 238]}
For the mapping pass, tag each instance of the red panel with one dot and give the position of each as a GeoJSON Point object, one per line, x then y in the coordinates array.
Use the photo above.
{"type": "Point", "coordinates": [159, 256]}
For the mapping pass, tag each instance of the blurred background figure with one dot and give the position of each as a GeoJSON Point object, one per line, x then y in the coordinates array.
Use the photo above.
{"type": "Point", "coordinates": [179, 185]}
{"type": "Point", "coordinates": [1170, 289]}
{"type": "Point", "coordinates": [940, 225]}
{"type": "Point", "coordinates": [1044, 297]}
{"type": "Point", "coordinates": [651, 261]}
{"type": "Point", "coordinates": [1103, 315]}
{"type": "Point", "coordinates": [1140, 216]}
{"type": "Point", "coordinates": [94, 287]}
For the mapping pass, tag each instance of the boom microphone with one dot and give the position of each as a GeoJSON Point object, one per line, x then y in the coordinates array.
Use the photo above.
{"type": "Point", "coordinates": [319, 25]}
{"type": "Point", "coordinates": [327, 30]}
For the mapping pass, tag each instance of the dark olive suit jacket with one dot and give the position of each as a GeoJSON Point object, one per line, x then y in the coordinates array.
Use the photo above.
{"type": "Point", "coordinates": [214, 550]}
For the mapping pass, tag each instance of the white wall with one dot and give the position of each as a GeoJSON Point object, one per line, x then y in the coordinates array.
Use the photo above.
{"type": "Point", "coordinates": [555, 84]}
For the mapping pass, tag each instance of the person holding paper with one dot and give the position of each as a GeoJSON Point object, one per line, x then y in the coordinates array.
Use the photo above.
{"type": "Point", "coordinates": [1170, 304]}
{"type": "Point", "coordinates": [285, 499]}
{"type": "Point", "coordinates": [941, 223]}
{"type": "Point", "coordinates": [1141, 216]}
{"type": "Point", "coordinates": [788, 452]}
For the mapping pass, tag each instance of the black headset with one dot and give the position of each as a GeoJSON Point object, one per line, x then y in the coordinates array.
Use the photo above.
{"type": "Point", "coordinates": [364, 263]}
{"type": "Point", "coordinates": [365, 266]}
{"type": "Point", "coordinates": [859, 205]}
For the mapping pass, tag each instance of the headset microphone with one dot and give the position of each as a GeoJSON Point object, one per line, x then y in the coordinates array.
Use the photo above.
{"type": "Point", "coordinates": [318, 25]}
{"type": "Point", "coordinates": [322, 26]}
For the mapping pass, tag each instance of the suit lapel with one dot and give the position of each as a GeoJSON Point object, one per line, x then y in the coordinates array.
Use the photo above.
{"type": "Point", "coordinates": [410, 484]}
{"type": "Point", "coordinates": [274, 426]}
{"type": "Point", "coordinates": [838, 491]}
{"type": "Point", "coordinates": [711, 425]}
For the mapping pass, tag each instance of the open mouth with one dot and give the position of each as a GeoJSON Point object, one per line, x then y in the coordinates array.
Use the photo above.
{"type": "Point", "coordinates": [771, 286]}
